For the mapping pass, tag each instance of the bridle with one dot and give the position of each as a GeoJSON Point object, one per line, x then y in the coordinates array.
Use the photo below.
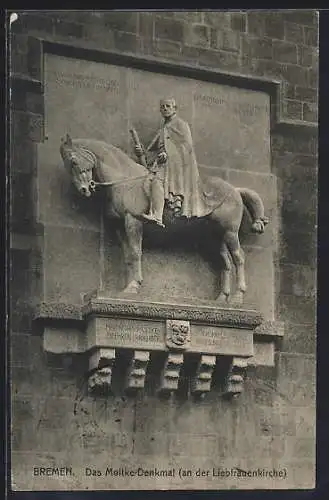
{"type": "Point", "coordinates": [92, 158]}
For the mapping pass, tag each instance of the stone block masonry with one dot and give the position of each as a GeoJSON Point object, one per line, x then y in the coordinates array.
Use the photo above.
{"type": "Point", "coordinates": [53, 417]}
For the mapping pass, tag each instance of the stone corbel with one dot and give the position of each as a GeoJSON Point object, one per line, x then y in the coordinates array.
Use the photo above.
{"type": "Point", "coordinates": [137, 371]}
{"type": "Point", "coordinates": [101, 364]}
{"type": "Point", "coordinates": [171, 373]}
{"type": "Point", "coordinates": [236, 376]}
{"type": "Point", "coordinates": [201, 382]}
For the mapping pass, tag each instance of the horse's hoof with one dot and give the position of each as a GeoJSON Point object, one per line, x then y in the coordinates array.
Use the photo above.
{"type": "Point", "coordinates": [133, 287]}
{"type": "Point", "coordinates": [222, 298]}
{"type": "Point", "coordinates": [237, 299]}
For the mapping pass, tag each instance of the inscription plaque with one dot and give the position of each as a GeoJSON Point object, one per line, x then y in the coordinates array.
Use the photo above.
{"type": "Point", "coordinates": [137, 334]}
{"type": "Point", "coordinates": [209, 339]}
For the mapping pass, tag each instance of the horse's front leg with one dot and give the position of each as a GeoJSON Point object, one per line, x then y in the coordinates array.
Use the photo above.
{"type": "Point", "coordinates": [133, 235]}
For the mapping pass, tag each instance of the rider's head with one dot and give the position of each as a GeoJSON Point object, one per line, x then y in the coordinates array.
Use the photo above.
{"type": "Point", "coordinates": [168, 107]}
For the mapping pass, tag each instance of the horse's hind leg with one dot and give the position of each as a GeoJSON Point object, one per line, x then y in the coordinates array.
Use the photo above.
{"type": "Point", "coordinates": [231, 239]}
{"type": "Point", "coordinates": [133, 242]}
{"type": "Point", "coordinates": [226, 275]}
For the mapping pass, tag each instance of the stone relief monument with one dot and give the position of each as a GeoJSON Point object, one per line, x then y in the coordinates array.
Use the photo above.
{"type": "Point", "coordinates": [129, 179]}
{"type": "Point", "coordinates": [138, 193]}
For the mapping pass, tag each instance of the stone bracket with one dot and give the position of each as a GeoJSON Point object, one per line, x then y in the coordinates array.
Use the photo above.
{"type": "Point", "coordinates": [136, 372]}
{"type": "Point", "coordinates": [100, 370]}
{"type": "Point", "coordinates": [236, 376]}
{"type": "Point", "coordinates": [171, 373]}
{"type": "Point", "coordinates": [201, 382]}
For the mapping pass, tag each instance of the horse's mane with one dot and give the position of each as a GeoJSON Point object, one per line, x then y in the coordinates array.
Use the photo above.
{"type": "Point", "coordinates": [112, 157]}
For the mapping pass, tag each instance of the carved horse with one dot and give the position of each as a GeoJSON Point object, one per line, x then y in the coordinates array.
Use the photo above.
{"type": "Point", "coordinates": [92, 163]}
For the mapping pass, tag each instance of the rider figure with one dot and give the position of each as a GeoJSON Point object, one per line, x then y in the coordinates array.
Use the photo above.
{"type": "Point", "coordinates": [176, 176]}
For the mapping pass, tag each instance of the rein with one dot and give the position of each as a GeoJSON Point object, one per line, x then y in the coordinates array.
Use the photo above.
{"type": "Point", "coordinates": [115, 183]}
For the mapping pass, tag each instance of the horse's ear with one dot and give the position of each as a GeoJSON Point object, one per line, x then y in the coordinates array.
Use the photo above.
{"type": "Point", "coordinates": [68, 140]}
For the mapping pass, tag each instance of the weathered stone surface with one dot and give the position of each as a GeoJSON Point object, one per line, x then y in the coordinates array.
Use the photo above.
{"type": "Point", "coordinates": [146, 24]}
{"type": "Point", "coordinates": [311, 36]}
{"type": "Point", "coordinates": [306, 94]}
{"type": "Point", "coordinates": [298, 280]}
{"type": "Point", "coordinates": [300, 310]}
{"type": "Point", "coordinates": [299, 246]}
{"type": "Point", "coordinates": [274, 26]}
{"type": "Point", "coordinates": [245, 111]}
{"type": "Point", "coordinates": [264, 354]}
{"type": "Point", "coordinates": [308, 17]}
{"type": "Point", "coordinates": [126, 42]}
{"type": "Point", "coordinates": [239, 21]}
{"type": "Point", "coordinates": [103, 431]}
{"type": "Point", "coordinates": [217, 19]}
{"type": "Point", "coordinates": [225, 40]}
{"type": "Point", "coordinates": [300, 338]}
{"type": "Point", "coordinates": [310, 112]}
{"type": "Point", "coordinates": [294, 32]}
{"type": "Point", "coordinates": [293, 109]}
{"type": "Point", "coordinates": [293, 371]}
{"type": "Point", "coordinates": [121, 21]}
{"type": "Point", "coordinates": [285, 52]}
{"type": "Point", "coordinates": [256, 23]}
{"type": "Point", "coordinates": [68, 340]}
{"type": "Point", "coordinates": [257, 47]}
{"type": "Point", "coordinates": [19, 347]}
{"type": "Point", "coordinates": [20, 276]}
{"type": "Point", "coordinates": [198, 35]}
{"type": "Point", "coordinates": [169, 29]}
{"type": "Point", "coordinates": [65, 245]}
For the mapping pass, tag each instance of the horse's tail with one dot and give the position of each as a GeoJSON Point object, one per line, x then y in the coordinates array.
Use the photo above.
{"type": "Point", "coordinates": [253, 202]}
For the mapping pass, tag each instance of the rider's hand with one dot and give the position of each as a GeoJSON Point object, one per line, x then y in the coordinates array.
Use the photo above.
{"type": "Point", "coordinates": [139, 150]}
{"type": "Point", "coordinates": [162, 157]}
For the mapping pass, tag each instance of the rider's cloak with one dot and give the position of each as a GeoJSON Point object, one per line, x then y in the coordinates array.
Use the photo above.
{"type": "Point", "coordinates": [181, 173]}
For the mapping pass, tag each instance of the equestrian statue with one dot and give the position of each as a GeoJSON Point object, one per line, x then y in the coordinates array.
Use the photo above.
{"type": "Point", "coordinates": [166, 177]}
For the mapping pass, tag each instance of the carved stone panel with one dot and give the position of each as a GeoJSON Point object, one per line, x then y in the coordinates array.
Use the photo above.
{"type": "Point", "coordinates": [178, 334]}
{"type": "Point", "coordinates": [230, 129]}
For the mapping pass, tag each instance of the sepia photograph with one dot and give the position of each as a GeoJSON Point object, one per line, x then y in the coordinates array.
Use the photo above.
{"type": "Point", "coordinates": [163, 171]}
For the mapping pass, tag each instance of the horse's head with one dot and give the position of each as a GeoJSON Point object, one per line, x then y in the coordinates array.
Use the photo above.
{"type": "Point", "coordinates": [79, 162]}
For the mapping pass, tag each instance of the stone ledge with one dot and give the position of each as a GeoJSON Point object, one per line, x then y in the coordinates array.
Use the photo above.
{"type": "Point", "coordinates": [136, 309]}
{"type": "Point", "coordinates": [270, 328]}
{"type": "Point", "coordinates": [58, 311]}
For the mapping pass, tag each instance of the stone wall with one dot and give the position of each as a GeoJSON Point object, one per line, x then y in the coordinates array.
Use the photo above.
{"type": "Point", "coordinates": [272, 424]}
